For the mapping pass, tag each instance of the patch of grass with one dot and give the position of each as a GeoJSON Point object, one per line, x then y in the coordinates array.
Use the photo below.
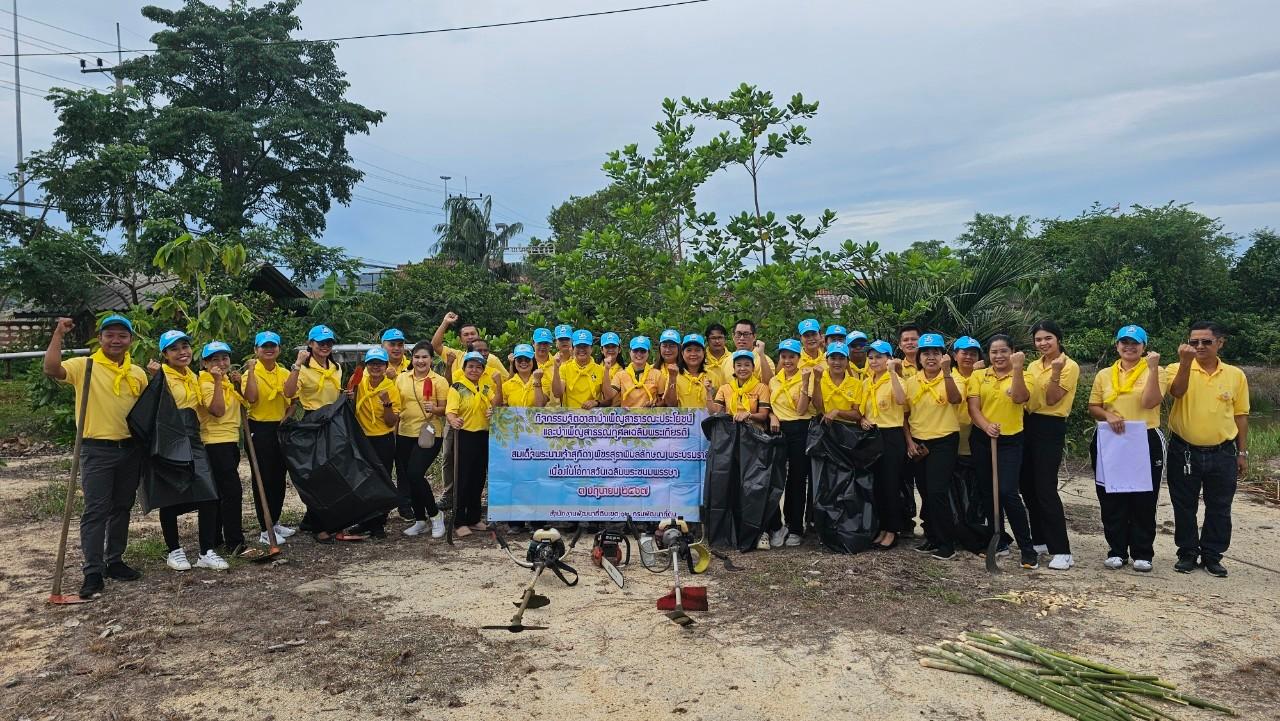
{"type": "Point", "coordinates": [1264, 388]}
{"type": "Point", "coordinates": [288, 517]}
{"type": "Point", "coordinates": [146, 549]}
{"type": "Point", "coordinates": [946, 595]}
{"type": "Point", "coordinates": [49, 501]}
{"type": "Point", "coordinates": [16, 416]}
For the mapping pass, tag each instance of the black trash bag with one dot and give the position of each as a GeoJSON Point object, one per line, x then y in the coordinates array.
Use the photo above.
{"type": "Point", "coordinates": [175, 470]}
{"type": "Point", "coordinates": [969, 507]}
{"type": "Point", "coordinates": [744, 481]}
{"type": "Point", "coordinates": [334, 468]}
{"type": "Point", "coordinates": [841, 456]}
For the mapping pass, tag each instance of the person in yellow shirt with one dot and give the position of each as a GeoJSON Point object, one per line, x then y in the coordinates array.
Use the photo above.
{"type": "Point", "coordinates": [934, 443]}
{"type": "Point", "coordinates": [838, 396]}
{"type": "Point", "coordinates": [717, 351]}
{"type": "Point", "coordinates": [883, 406]}
{"type": "Point", "coordinates": [393, 343]}
{"type": "Point", "coordinates": [315, 378]}
{"type": "Point", "coordinates": [1209, 449]}
{"type": "Point", "coordinates": [1130, 390]}
{"type": "Point", "coordinates": [811, 355]}
{"type": "Point", "coordinates": [697, 383]}
{"type": "Point", "coordinates": [219, 414]}
{"type": "Point", "coordinates": [743, 397]}
{"type": "Point", "coordinates": [834, 333]}
{"type": "Point", "coordinates": [262, 386]}
{"type": "Point", "coordinates": [524, 389]}
{"type": "Point", "coordinates": [423, 394]}
{"type": "Point", "coordinates": [109, 458]}
{"type": "Point", "coordinates": [909, 352]}
{"type": "Point", "coordinates": [468, 334]}
{"type": "Point", "coordinates": [967, 352]}
{"type": "Point", "coordinates": [790, 395]}
{"type": "Point", "coordinates": [858, 346]}
{"type": "Point", "coordinates": [564, 342]}
{"type": "Point", "coordinates": [611, 347]}
{"type": "Point", "coordinates": [543, 342]}
{"type": "Point", "coordinates": [377, 409]}
{"type": "Point", "coordinates": [1053, 392]}
{"type": "Point", "coordinates": [636, 385]}
{"type": "Point", "coordinates": [909, 349]}
{"type": "Point", "coordinates": [469, 408]}
{"type": "Point", "coordinates": [579, 382]}
{"type": "Point", "coordinates": [668, 363]}
{"type": "Point", "coordinates": [744, 338]}
{"type": "Point", "coordinates": [997, 397]}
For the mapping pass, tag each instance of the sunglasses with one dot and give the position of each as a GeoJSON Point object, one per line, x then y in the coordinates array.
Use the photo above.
{"type": "Point", "coordinates": [1197, 342]}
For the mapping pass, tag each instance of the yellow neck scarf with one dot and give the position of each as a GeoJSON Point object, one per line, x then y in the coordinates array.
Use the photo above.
{"type": "Point", "coordinates": [741, 396]}
{"type": "Point", "coordinates": [190, 382]}
{"type": "Point", "coordinates": [1123, 384]}
{"type": "Point", "coordinates": [332, 374]}
{"type": "Point", "coordinates": [369, 393]}
{"type": "Point", "coordinates": [269, 385]}
{"type": "Point", "coordinates": [119, 373]}
{"type": "Point", "coordinates": [228, 390]}
{"type": "Point", "coordinates": [790, 386]}
{"type": "Point", "coordinates": [869, 403]}
{"type": "Point", "coordinates": [930, 387]}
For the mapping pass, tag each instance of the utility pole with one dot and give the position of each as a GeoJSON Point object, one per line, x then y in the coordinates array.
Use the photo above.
{"type": "Point", "coordinates": [130, 215]}
{"type": "Point", "coordinates": [446, 178]}
{"type": "Point", "coordinates": [17, 104]}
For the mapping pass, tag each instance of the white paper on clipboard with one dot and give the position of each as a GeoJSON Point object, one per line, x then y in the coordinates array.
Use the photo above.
{"type": "Point", "coordinates": [1124, 459]}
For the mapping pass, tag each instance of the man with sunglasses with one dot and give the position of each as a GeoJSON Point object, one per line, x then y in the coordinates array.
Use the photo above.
{"type": "Point", "coordinates": [1209, 449]}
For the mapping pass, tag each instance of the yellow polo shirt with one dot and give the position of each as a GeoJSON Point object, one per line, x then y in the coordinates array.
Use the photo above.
{"type": "Point", "coordinates": [878, 405]}
{"type": "Point", "coordinates": [1123, 400]}
{"type": "Point", "coordinates": [962, 410]}
{"type": "Point", "coordinates": [471, 403]}
{"type": "Point", "coordinates": [492, 364]}
{"type": "Point", "coordinates": [1041, 372]}
{"type": "Point", "coordinates": [184, 387]}
{"type": "Point", "coordinates": [908, 368]}
{"type": "Point", "coordinates": [994, 395]}
{"type": "Point", "coordinates": [404, 365]}
{"type": "Point", "coordinates": [859, 372]}
{"type": "Point", "coordinates": [726, 366]}
{"type": "Point", "coordinates": [581, 383]}
{"type": "Point", "coordinates": [109, 402]}
{"type": "Point", "coordinates": [691, 391]}
{"type": "Point", "coordinates": [1206, 414]}
{"type": "Point", "coordinates": [749, 397]}
{"type": "Point", "coordinates": [369, 405]}
{"type": "Point", "coordinates": [519, 393]}
{"type": "Point", "coordinates": [844, 397]}
{"type": "Point", "coordinates": [412, 400]}
{"type": "Point", "coordinates": [784, 397]}
{"type": "Point", "coordinates": [807, 361]}
{"type": "Point", "coordinates": [318, 387]}
{"type": "Point", "coordinates": [272, 403]}
{"type": "Point", "coordinates": [637, 392]}
{"type": "Point", "coordinates": [932, 416]}
{"type": "Point", "coordinates": [224, 428]}
{"type": "Point", "coordinates": [713, 361]}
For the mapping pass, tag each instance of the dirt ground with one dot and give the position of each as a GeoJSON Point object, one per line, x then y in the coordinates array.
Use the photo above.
{"type": "Point", "coordinates": [391, 629]}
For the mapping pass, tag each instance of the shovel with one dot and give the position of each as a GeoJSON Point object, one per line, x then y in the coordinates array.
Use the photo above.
{"type": "Point", "coordinates": [528, 600]}
{"type": "Point", "coordinates": [994, 543]}
{"type": "Point", "coordinates": [56, 596]}
{"type": "Point", "coordinates": [254, 554]}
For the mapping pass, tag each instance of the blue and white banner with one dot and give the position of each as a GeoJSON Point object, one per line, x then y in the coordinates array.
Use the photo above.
{"type": "Point", "coordinates": [598, 465]}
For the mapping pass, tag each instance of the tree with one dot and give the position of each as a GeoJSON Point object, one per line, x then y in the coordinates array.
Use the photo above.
{"type": "Point", "coordinates": [1123, 297]}
{"type": "Point", "coordinates": [987, 231]}
{"type": "Point", "coordinates": [470, 237]}
{"type": "Point", "coordinates": [1257, 272]}
{"type": "Point", "coordinates": [416, 295]}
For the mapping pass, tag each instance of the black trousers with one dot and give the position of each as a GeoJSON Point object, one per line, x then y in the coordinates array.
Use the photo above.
{"type": "Point", "coordinates": [912, 480]}
{"type": "Point", "coordinates": [1129, 519]}
{"type": "Point", "coordinates": [936, 474]}
{"type": "Point", "coordinates": [109, 480]}
{"type": "Point", "coordinates": [796, 496]}
{"type": "Point", "coordinates": [224, 463]}
{"type": "Point", "coordinates": [473, 470]}
{"type": "Point", "coordinates": [1044, 438]}
{"type": "Point", "coordinates": [886, 490]}
{"type": "Point", "coordinates": [384, 452]}
{"type": "Point", "coordinates": [206, 520]}
{"type": "Point", "coordinates": [412, 463]}
{"type": "Point", "coordinates": [1009, 462]}
{"type": "Point", "coordinates": [1196, 469]}
{"type": "Point", "coordinates": [271, 466]}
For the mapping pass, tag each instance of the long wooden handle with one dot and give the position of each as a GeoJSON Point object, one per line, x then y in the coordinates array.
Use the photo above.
{"type": "Point", "coordinates": [70, 498]}
{"type": "Point", "coordinates": [995, 486]}
{"type": "Point", "coordinates": [257, 477]}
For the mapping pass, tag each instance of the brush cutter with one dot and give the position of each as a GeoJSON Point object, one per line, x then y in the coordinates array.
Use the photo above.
{"type": "Point", "coordinates": [254, 554]}
{"type": "Point", "coordinates": [671, 545]}
{"type": "Point", "coordinates": [546, 550]}
{"type": "Point", "coordinates": [996, 526]}
{"type": "Point", "coordinates": [57, 597]}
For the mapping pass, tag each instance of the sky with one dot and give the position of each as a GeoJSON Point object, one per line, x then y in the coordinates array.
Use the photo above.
{"type": "Point", "coordinates": [930, 111]}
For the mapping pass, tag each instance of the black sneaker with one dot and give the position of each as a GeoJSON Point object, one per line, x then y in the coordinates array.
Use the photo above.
{"type": "Point", "coordinates": [1185, 565]}
{"type": "Point", "coordinates": [943, 554]}
{"type": "Point", "coordinates": [1215, 568]}
{"type": "Point", "coordinates": [1030, 559]}
{"type": "Point", "coordinates": [925, 547]}
{"type": "Point", "coordinates": [93, 585]}
{"type": "Point", "coordinates": [121, 571]}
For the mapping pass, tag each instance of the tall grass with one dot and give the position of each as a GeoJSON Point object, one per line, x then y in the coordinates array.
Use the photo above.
{"type": "Point", "coordinates": [1264, 388]}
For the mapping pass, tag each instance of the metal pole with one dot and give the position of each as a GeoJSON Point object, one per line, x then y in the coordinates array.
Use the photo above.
{"type": "Point", "coordinates": [119, 58]}
{"type": "Point", "coordinates": [445, 178]}
{"type": "Point", "coordinates": [17, 104]}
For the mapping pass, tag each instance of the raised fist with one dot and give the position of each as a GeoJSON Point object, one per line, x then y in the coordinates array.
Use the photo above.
{"type": "Point", "coordinates": [64, 326]}
{"type": "Point", "coordinates": [1186, 353]}
{"type": "Point", "coordinates": [303, 356]}
{"type": "Point", "coordinates": [1059, 363]}
{"type": "Point", "coordinates": [1153, 360]}
{"type": "Point", "coordinates": [945, 362]}
{"type": "Point", "coordinates": [450, 318]}
{"type": "Point", "coordinates": [217, 372]}
{"type": "Point", "coordinates": [537, 374]}
{"type": "Point", "coordinates": [1018, 359]}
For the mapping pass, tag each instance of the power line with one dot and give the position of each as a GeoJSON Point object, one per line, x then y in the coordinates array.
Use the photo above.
{"type": "Point", "coordinates": [385, 204]}
{"type": "Point", "coordinates": [25, 90]}
{"type": "Point", "coordinates": [34, 41]}
{"type": "Point", "coordinates": [436, 186]}
{"type": "Point", "coordinates": [371, 36]}
{"type": "Point", "coordinates": [58, 27]}
{"type": "Point", "coordinates": [47, 75]}
{"type": "Point", "coordinates": [399, 197]}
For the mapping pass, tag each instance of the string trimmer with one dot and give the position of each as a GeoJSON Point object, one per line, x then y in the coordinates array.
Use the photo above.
{"type": "Point", "coordinates": [671, 545]}
{"type": "Point", "coordinates": [546, 550]}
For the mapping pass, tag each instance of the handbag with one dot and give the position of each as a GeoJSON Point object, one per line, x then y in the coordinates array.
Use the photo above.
{"type": "Point", "coordinates": [426, 434]}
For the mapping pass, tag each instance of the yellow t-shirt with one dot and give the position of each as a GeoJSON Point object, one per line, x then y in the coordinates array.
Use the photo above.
{"type": "Point", "coordinates": [318, 387]}
{"type": "Point", "coordinates": [995, 396]}
{"type": "Point", "coordinates": [642, 392]}
{"type": "Point", "coordinates": [1041, 372]}
{"type": "Point", "coordinates": [932, 416]}
{"type": "Point", "coordinates": [807, 361]}
{"type": "Point", "coordinates": [272, 403]}
{"type": "Point", "coordinates": [224, 428]}
{"type": "Point", "coordinates": [184, 387]}
{"type": "Point", "coordinates": [1205, 414]}
{"type": "Point", "coordinates": [908, 369]}
{"type": "Point", "coordinates": [471, 403]}
{"type": "Point", "coordinates": [412, 399]}
{"type": "Point", "coordinates": [844, 397]}
{"type": "Point", "coordinates": [519, 393]}
{"type": "Point", "coordinates": [109, 401]}
{"type": "Point", "coordinates": [784, 397]}
{"type": "Point", "coordinates": [726, 366]}
{"type": "Point", "coordinates": [691, 391]}
{"type": "Point", "coordinates": [492, 364]}
{"type": "Point", "coordinates": [369, 405]}
{"type": "Point", "coordinates": [878, 405]}
{"type": "Point", "coordinates": [581, 383]}
{"type": "Point", "coordinates": [962, 411]}
{"type": "Point", "coordinates": [749, 397]}
{"type": "Point", "coordinates": [1124, 397]}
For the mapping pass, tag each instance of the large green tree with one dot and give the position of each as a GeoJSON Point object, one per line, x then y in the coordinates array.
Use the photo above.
{"type": "Point", "coordinates": [470, 236]}
{"type": "Point", "coordinates": [1257, 272]}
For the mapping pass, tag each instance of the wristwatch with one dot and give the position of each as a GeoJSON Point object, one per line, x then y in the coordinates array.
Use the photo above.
{"type": "Point", "coordinates": [386, 405]}
{"type": "Point", "coordinates": [1242, 454]}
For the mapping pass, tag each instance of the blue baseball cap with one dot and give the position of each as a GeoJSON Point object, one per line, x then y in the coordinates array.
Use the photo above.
{"type": "Point", "coordinates": [1132, 332]}
{"type": "Point", "coordinates": [856, 336]}
{"type": "Point", "coordinates": [393, 334]}
{"type": "Point", "coordinates": [213, 348]}
{"type": "Point", "coordinates": [376, 354]}
{"type": "Point", "coordinates": [543, 335]}
{"type": "Point", "coordinates": [791, 344]}
{"type": "Point", "coordinates": [743, 354]}
{"type": "Point", "coordinates": [610, 338]}
{"type": "Point", "coordinates": [583, 337]}
{"type": "Point", "coordinates": [564, 330]}
{"type": "Point", "coordinates": [835, 330]}
{"type": "Point", "coordinates": [321, 333]}
{"type": "Point", "coordinates": [170, 337]}
{"type": "Point", "coordinates": [670, 335]}
{"type": "Point", "coordinates": [883, 347]}
{"type": "Point", "coordinates": [932, 340]}
{"type": "Point", "coordinates": [116, 319]}
{"type": "Point", "coordinates": [808, 325]}
{"type": "Point", "coordinates": [524, 350]}
{"type": "Point", "coordinates": [473, 356]}
{"type": "Point", "coordinates": [694, 338]}
{"type": "Point", "coordinates": [641, 342]}
{"type": "Point", "coordinates": [265, 337]}
{"type": "Point", "coordinates": [837, 348]}
{"type": "Point", "coordinates": [965, 342]}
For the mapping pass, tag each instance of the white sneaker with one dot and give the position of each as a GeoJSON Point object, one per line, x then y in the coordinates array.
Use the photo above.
{"type": "Point", "coordinates": [283, 531]}
{"type": "Point", "coordinates": [1144, 566]}
{"type": "Point", "coordinates": [437, 525]}
{"type": "Point", "coordinates": [763, 543]}
{"type": "Point", "coordinates": [211, 560]}
{"type": "Point", "coordinates": [1114, 562]}
{"type": "Point", "coordinates": [1041, 549]}
{"type": "Point", "coordinates": [266, 541]}
{"type": "Point", "coordinates": [778, 538]}
{"type": "Point", "coordinates": [1061, 562]}
{"type": "Point", "coordinates": [417, 528]}
{"type": "Point", "coordinates": [793, 539]}
{"type": "Point", "coordinates": [177, 560]}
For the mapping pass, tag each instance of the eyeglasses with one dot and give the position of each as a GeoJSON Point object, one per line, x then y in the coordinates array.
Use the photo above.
{"type": "Point", "coordinates": [1197, 342]}
{"type": "Point", "coordinates": [743, 333]}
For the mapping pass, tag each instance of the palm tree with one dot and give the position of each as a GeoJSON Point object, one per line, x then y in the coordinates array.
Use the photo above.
{"type": "Point", "coordinates": [468, 237]}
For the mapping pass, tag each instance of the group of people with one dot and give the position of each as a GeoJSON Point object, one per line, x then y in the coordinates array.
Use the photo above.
{"type": "Point", "coordinates": [924, 398]}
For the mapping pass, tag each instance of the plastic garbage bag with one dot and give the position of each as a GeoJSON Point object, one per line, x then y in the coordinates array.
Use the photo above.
{"type": "Point", "coordinates": [744, 481]}
{"type": "Point", "coordinates": [970, 508]}
{"type": "Point", "coordinates": [175, 470]}
{"type": "Point", "coordinates": [841, 456]}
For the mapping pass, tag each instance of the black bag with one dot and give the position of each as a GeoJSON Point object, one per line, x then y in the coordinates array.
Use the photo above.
{"type": "Point", "coordinates": [175, 469]}
{"type": "Point", "coordinates": [335, 469]}
{"type": "Point", "coordinates": [970, 508]}
{"type": "Point", "coordinates": [841, 456]}
{"type": "Point", "coordinates": [744, 481]}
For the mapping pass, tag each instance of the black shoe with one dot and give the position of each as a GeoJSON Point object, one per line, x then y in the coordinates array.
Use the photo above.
{"type": "Point", "coordinates": [93, 585]}
{"type": "Point", "coordinates": [1030, 560]}
{"type": "Point", "coordinates": [1215, 568]}
{"type": "Point", "coordinates": [943, 554]}
{"type": "Point", "coordinates": [120, 571]}
{"type": "Point", "coordinates": [406, 514]}
{"type": "Point", "coordinates": [1185, 565]}
{"type": "Point", "coordinates": [925, 547]}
